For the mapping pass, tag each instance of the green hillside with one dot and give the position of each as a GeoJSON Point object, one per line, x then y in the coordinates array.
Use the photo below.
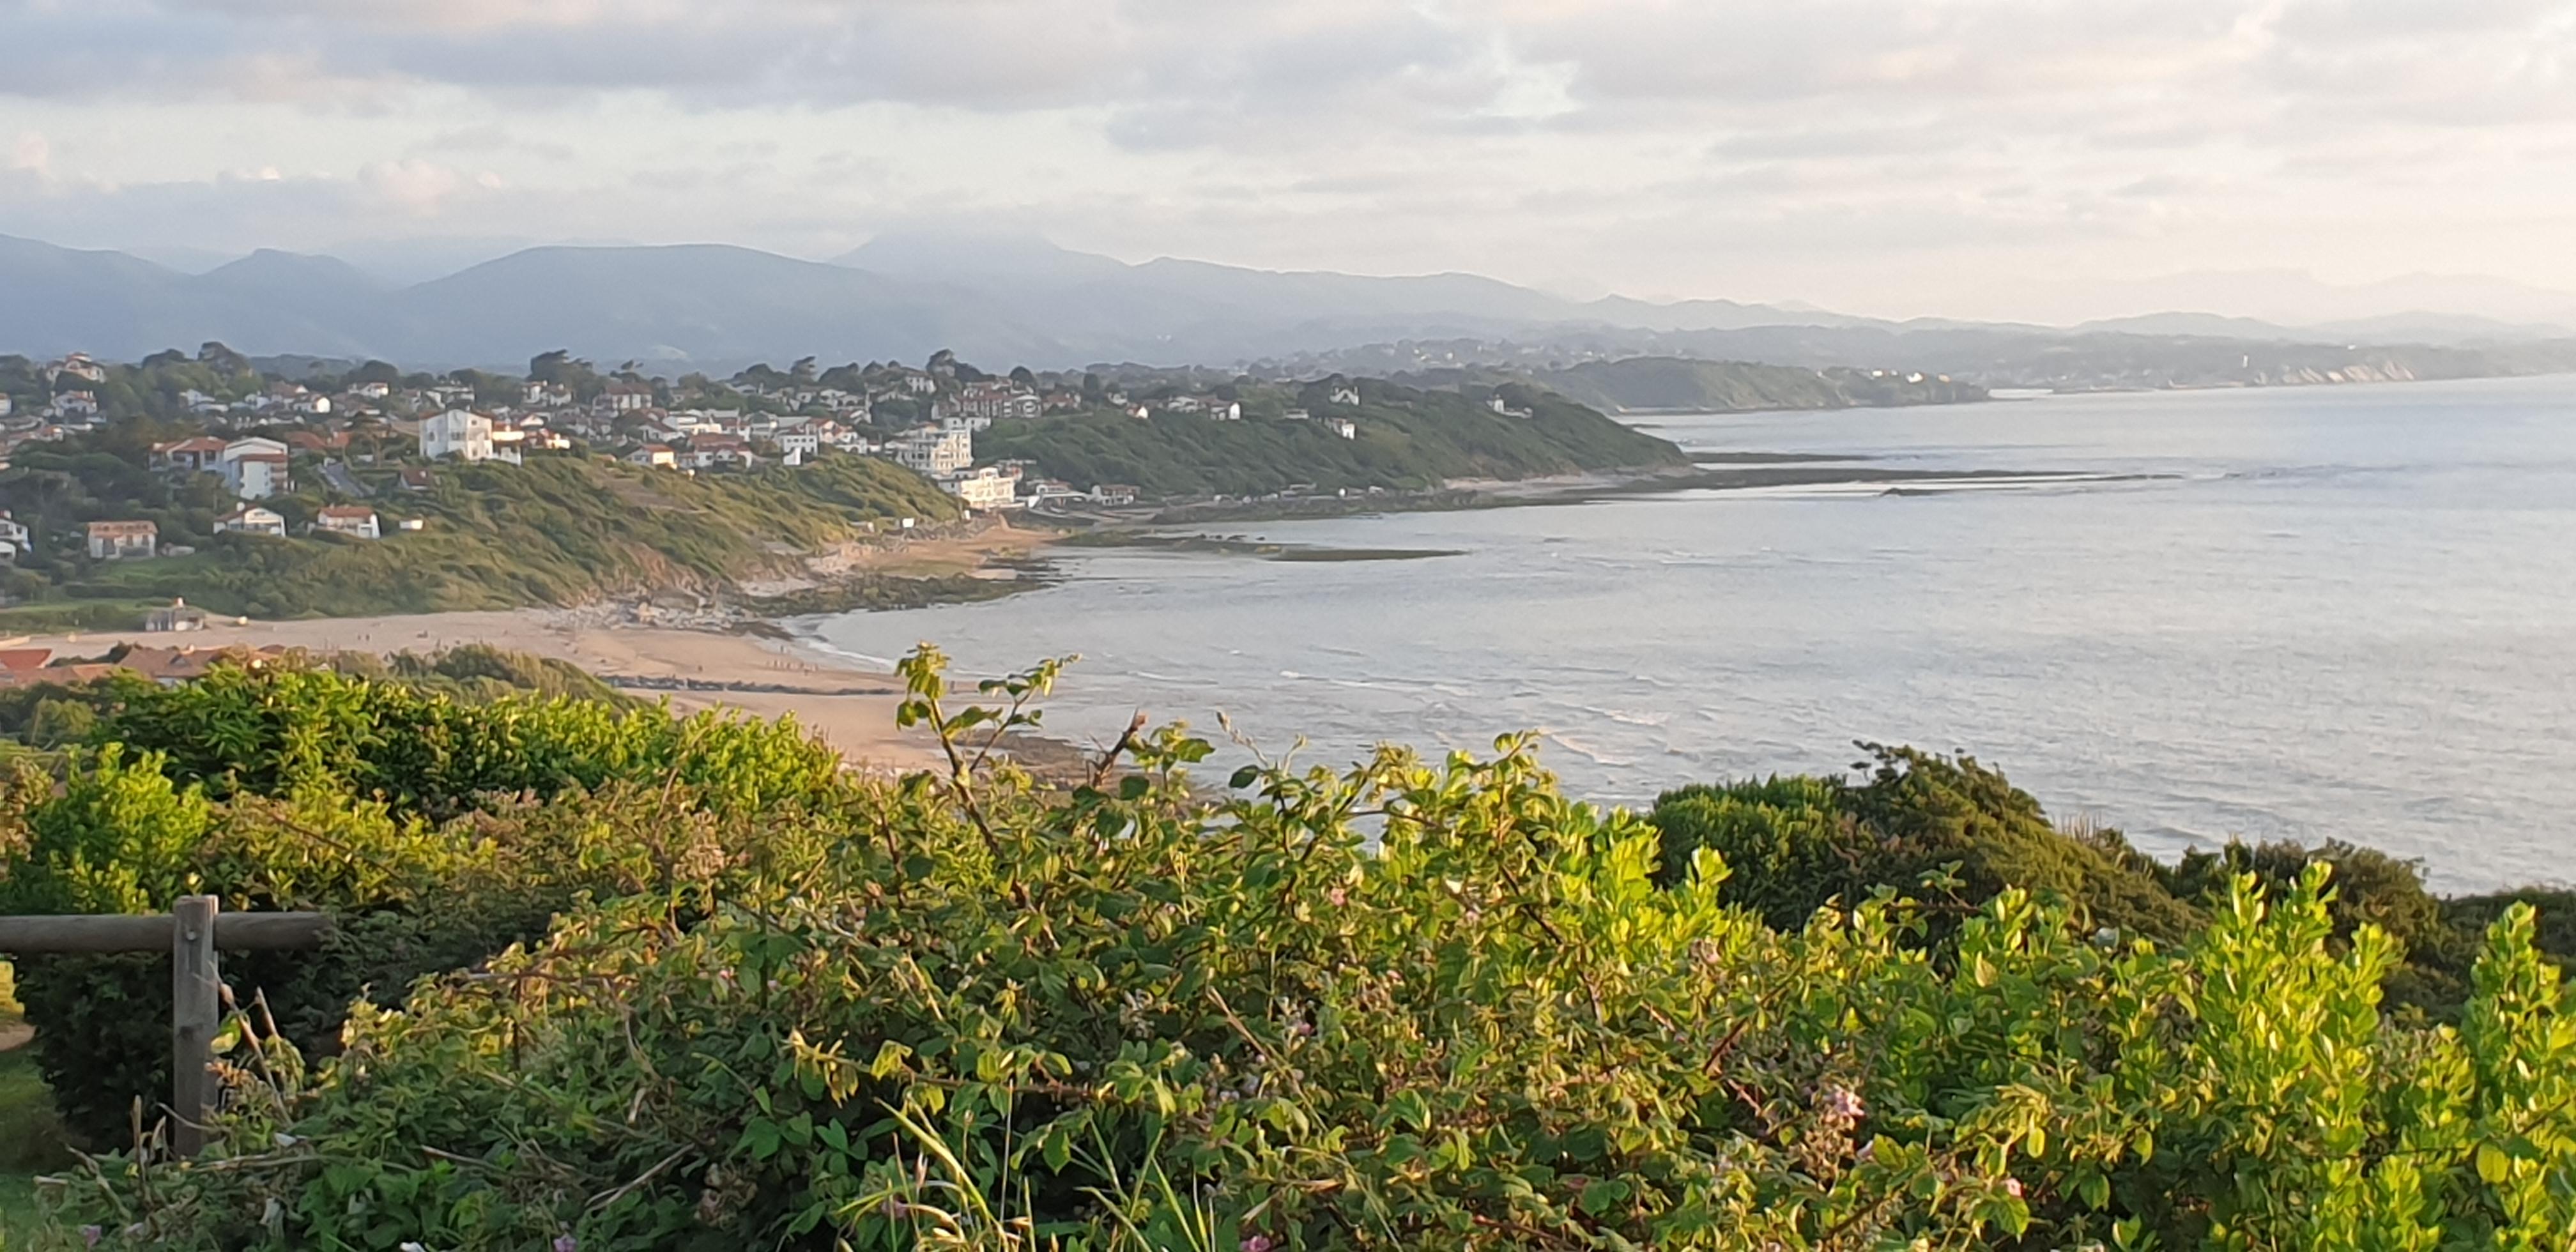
{"type": "Point", "coordinates": [1405, 439]}
{"type": "Point", "coordinates": [1684, 385]}
{"type": "Point", "coordinates": [556, 531]}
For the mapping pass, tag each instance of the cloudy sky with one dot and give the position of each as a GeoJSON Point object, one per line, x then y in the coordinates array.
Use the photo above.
{"type": "Point", "coordinates": [1962, 157]}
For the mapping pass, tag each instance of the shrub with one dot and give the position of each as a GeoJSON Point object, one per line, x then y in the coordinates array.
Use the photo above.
{"type": "Point", "coordinates": [436, 832]}
{"type": "Point", "coordinates": [1410, 1005]}
{"type": "Point", "coordinates": [1947, 830]}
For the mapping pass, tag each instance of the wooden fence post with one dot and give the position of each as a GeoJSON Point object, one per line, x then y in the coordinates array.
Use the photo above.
{"type": "Point", "coordinates": [196, 1007]}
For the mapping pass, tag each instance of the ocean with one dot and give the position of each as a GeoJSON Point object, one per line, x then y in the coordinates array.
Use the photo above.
{"type": "Point", "coordinates": [2308, 613]}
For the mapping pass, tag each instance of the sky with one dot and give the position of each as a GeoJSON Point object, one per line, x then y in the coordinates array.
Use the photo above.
{"type": "Point", "coordinates": [1972, 158]}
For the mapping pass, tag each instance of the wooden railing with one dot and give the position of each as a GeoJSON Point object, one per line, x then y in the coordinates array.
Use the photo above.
{"type": "Point", "coordinates": [193, 933]}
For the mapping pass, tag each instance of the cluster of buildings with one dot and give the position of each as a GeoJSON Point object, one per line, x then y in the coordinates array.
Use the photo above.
{"type": "Point", "coordinates": [26, 667]}
{"type": "Point", "coordinates": [793, 419]}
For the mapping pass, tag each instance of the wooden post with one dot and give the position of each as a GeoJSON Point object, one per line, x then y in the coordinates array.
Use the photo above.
{"type": "Point", "coordinates": [192, 932]}
{"type": "Point", "coordinates": [196, 1000]}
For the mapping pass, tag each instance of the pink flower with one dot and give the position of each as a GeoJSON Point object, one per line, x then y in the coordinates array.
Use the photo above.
{"type": "Point", "coordinates": [2012, 1187]}
{"type": "Point", "coordinates": [1843, 1102]}
{"type": "Point", "coordinates": [1258, 1243]}
{"type": "Point", "coordinates": [1337, 897]}
{"type": "Point", "coordinates": [566, 1243]}
{"type": "Point", "coordinates": [90, 1236]}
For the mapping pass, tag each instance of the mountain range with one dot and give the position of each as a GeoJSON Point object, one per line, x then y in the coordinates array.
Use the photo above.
{"type": "Point", "coordinates": [1008, 299]}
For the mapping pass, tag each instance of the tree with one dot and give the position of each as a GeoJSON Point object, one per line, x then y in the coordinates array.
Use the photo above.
{"type": "Point", "coordinates": [802, 372]}
{"type": "Point", "coordinates": [1020, 374]}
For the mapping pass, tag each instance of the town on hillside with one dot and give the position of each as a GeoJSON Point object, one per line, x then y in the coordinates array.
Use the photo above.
{"type": "Point", "coordinates": [372, 431]}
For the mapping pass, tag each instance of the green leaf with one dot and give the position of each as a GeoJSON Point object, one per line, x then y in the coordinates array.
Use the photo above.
{"type": "Point", "coordinates": [2493, 1164]}
{"type": "Point", "coordinates": [1602, 1195]}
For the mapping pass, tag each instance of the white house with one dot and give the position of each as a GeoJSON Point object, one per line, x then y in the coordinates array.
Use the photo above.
{"type": "Point", "coordinates": [932, 450]}
{"type": "Point", "coordinates": [655, 455]}
{"type": "Point", "coordinates": [1346, 395]}
{"type": "Point", "coordinates": [251, 519]}
{"type": "Point", "coordinates": [1113, 493]}
{"type": "Point", "coordinates": [463, 434]}
{"type": "Point", "coordinates": [1342, 426]}
{"type": "Point", "coordinates": [255, 469]}
{"type": "Point", "coordinates": [354, 520]}
{"type": "Point", "coordinates": [986, 488]}
{"type": "Point", "coordinates": [624, 397]}
{"type": "Point", "coordinates": [800, 443]}
{"type": "Point", "coordinates": [110, 541]}
{"type": "Point", "coordinates": [14, 539]}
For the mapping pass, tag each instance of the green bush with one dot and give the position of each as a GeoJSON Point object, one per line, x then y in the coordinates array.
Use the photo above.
{"type": "Point", "coordinates": [1947, 830]}
{"type": "Point", "coordinates": [437, 832]}
{"type": "Point", "coordinates": [1412, 1005]}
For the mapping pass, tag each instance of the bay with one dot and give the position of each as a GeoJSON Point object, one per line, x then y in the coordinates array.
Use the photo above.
{"type": "Point", "coordinates": [2307, 613]}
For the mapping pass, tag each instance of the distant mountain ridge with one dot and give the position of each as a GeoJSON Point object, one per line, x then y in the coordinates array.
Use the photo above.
{"type": "Point", "coordinates": [902, 296]}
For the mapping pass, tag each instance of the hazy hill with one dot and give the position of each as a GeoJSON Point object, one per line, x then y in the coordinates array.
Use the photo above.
{"type": "Point", "coordinates": [1022, 300]}
{"type": "Point", "coordinates": [1672, 384]}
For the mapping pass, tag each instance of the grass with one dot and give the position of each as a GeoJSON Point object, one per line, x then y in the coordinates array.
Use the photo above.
{"type": "Point", "coordinates": [31, 1140]}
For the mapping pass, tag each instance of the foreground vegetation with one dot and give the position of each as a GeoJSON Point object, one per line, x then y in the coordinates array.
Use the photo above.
{"type": "Point", "coordinates": [611, 980]}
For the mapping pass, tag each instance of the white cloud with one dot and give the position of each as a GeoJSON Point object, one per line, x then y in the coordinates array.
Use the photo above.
{"type": "Point", "coordinates": [1880, 153]}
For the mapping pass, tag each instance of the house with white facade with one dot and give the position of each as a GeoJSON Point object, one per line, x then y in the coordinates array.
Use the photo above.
{"type": "Point", "coordinates": [14, 539]}
{"type": "Point", "coordinates": [251, 519]}
{"type": "Point", "coordinates": [354, 520]}
{"type": "Point", "coordinates": [116, 541]}
{"type": "Point", "coordinates": [255, 468]}
{"type": "Point", "coordinates": [933, 450]}
{"type": "Point", "coordinates": [985, 489]}
{"type": "Point", "coordinates": [1342, 426]}
{"type": "Point", "coordinates": [463, 434]}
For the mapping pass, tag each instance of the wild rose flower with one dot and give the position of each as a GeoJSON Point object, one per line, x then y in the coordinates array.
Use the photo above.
{"type": "Point", "coordinates": [1257, 1243]}
{"type": "Point", "coordinates": [2012, 1187]}
{"type": "Point", "coordinates": [566, 1243]}
{"type": "Point", "coordinates": [1337, 897]}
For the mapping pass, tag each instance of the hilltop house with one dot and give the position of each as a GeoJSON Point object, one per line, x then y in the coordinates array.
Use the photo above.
{"type": "Point", "coordinates": [932, 450]}
{"type": "Point", "coordinates": [624, 397]}
{"type": "Point", "coordinates": [995, 402]}
{"type": "Point", "coordinates": [1346, 395]}
{"type": "Point", "coordinates": [14, 538]}
{"type": "Point", "coordinates": [202, 452]}
{"type": "Point", "coordinates": [112, 541]}
{"type": "Point", "coordinates": [984, 489]}
{"type": "Point", "coordinates": [1342, 426]}
{"type": "Point", "coordinates": [251, 519]}
{"type": "Point", "coordinates": [463, 434]}
{"type": "Point", "coordinates": [78, 365]}
{"type": "Point", "coordinates": [255, 468]}
{"type": "Point", "coordinates": [354, 520]}
{"type": "Point", "coordinates": [656, 455]}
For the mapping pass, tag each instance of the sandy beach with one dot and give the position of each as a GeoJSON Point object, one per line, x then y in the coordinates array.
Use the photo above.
{"type": "Point", "coordinates": [853, 709]}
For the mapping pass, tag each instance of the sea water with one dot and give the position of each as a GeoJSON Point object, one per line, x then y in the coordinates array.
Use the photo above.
{"type": "Point", "coordinates": [2305, 613]}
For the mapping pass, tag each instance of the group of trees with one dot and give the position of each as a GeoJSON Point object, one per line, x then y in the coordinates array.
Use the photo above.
{"type": "Point", "coordinates": [616, 981]}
